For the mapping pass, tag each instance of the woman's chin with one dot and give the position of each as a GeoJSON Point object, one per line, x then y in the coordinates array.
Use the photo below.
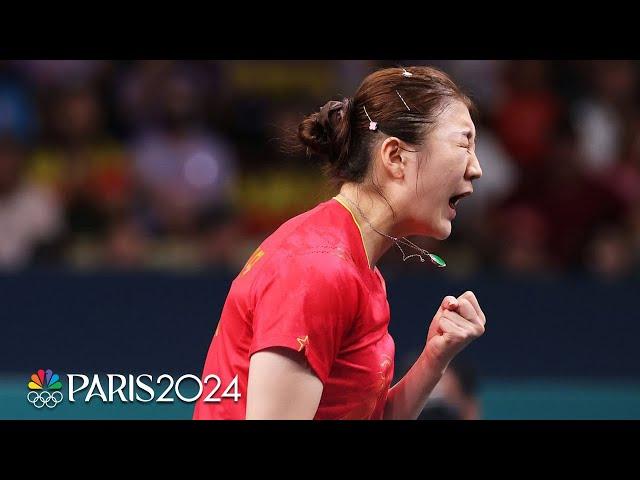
{"type": "Point", "coordinates": [444, 230]}
{"type": "Point", "coordinates": [438, 231]}
{"type": "Point", "coordinates": [441, 233]}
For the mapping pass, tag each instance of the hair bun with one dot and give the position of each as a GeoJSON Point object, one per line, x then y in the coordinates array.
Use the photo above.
{"type": "Point", "coordinates": [326, 132]}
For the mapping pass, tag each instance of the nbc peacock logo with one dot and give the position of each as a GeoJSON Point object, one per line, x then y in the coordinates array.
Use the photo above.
{"type": "Point", "coordinates": [44, 389]}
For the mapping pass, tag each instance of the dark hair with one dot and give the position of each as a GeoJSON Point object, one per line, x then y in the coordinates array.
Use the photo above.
{"type": "Point", "coordinates": [340, 130]}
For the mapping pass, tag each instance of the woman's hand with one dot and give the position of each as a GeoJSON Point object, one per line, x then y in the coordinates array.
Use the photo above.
{"type": "Point", "coordinates": [455, 325]}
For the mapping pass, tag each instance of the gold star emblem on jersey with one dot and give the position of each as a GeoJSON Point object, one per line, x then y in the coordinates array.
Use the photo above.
{"type": "Point", "coordinates": [303, 341]}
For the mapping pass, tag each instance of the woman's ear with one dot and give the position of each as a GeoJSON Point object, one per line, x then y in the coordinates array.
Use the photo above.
{"type": "Point", "coordinates": [392, 160]}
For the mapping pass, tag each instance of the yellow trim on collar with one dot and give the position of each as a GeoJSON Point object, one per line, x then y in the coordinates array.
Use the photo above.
{"type": "Point", "coordinates": [357, 225]}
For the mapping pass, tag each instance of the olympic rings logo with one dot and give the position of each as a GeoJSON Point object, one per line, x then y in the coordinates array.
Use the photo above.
{"type": "Point", "coordinates": [40, 399]}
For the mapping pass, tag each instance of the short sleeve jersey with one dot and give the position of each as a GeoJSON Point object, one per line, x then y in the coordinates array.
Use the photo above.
{"type": "Point", "coordinates": [308, 287]}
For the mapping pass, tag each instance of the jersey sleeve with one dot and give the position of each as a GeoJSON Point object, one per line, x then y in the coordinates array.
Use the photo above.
{"type": "Point", "coordinates": [308, 303]}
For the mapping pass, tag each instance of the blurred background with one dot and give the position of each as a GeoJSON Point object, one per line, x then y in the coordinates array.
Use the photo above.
{"type": "Point", "coordinates": [132, 192]}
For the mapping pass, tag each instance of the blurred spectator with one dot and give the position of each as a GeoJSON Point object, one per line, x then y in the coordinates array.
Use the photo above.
{"type": "Point", "coordinates": [609, 254]}
{"type": "Point", "coordinates": [481, 79]}
{"type": "Point", "coordinates": [455, 397]}
{"type": "Point", "coordinates": [140, 85]}
{"type": "Point", "coordinates": [186, 172]}
{"type": "Point", "coordinates": [138, 88]}
{"type": "Point", "coordinates": [526, 117]}
{"type": "Point", "coordinates": [55, 73]}
{"type": "Point", "coordinates": [126, 245]}
{"type": "Point", "coordinates": [600, 118]}
{"type": "Point", "coordinates": [566, 203]}
{"type": "Point", "coordinates": [78, 159]}
{"type": "Point", "coordinates": [574, 201]}
{"type": "Point", "coordinates": [30, 218]}
{"type": "Point", "coordinates": [522, 239]}
{"type": "Point", "coordinates": [622, 177]}
{"type": "Point", "coordinates": [17, 109]}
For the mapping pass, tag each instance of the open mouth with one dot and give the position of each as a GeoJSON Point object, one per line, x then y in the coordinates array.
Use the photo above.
{"type": "Point", "coordinates": [453, 201]}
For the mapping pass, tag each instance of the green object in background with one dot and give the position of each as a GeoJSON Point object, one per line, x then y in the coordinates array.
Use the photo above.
{"type": "Point", "coordinates": [560, 400]}
{"type": "Point", "coordinates": [500, 400]}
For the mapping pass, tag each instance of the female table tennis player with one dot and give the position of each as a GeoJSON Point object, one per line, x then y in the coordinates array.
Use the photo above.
{"type": "Point", "coordinates": [304, 326]}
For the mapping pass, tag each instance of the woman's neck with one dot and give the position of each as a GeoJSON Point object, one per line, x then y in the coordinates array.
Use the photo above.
{"type": "Point", "coordinates": [372, 213]}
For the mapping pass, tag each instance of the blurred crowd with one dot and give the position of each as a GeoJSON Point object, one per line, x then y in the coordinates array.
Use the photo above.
{"type": "Point", "coordinates": [180, 164]}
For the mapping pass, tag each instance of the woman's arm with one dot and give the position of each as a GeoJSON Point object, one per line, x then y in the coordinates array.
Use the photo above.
{"type": "Point", "coordinates": [407, 398]}
{"type": "Point", "coordinates": [281, 386]}
{"type": "Point", "coordinates": [457, 322]}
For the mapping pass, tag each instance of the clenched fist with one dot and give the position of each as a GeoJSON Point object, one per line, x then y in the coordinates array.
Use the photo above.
{"type": "Point", "coordinates": [457, 323]}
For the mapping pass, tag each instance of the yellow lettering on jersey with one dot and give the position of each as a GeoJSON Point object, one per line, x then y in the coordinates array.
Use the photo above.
{"type": "Point", "coordinates": [257, 255]}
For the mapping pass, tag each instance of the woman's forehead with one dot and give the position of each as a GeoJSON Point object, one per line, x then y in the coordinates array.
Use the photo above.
{"type": "Point", "coordinates": [456, 118]}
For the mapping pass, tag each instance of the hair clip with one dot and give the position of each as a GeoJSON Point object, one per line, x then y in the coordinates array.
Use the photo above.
{"type": "Point", "coordinates": [372, 125]}
{"type": "Point", "coordinates": [405, 103]}
{"type": "Point", "coordinates": [406, 74]}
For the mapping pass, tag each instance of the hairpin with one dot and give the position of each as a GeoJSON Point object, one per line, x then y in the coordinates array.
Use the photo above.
{"type": "Point", "coordinates": [405, 103]}
{"type": "Point", "coordinates": [406, 74]}
{"type": "Point", "coordinates": [372, 125]}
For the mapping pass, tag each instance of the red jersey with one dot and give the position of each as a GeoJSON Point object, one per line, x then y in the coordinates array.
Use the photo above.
{"type": "Point", "coordinates": [309, 288]}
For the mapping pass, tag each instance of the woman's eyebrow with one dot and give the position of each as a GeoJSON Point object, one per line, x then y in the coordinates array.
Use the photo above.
{"type": "Point", "coordinates": [467, 133]}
